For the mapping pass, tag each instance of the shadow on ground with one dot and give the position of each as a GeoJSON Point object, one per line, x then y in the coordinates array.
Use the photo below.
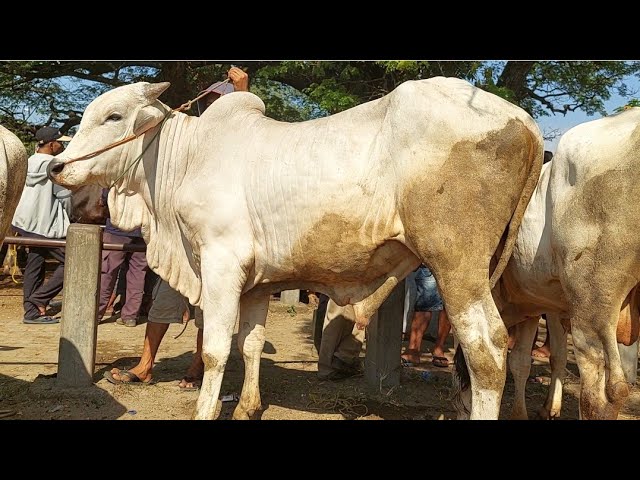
{"type": "Point", "coordinates": [44, 399]}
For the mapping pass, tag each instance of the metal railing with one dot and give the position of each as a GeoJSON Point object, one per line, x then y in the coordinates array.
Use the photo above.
{"type": "Point", "coordinates": [42, 242]}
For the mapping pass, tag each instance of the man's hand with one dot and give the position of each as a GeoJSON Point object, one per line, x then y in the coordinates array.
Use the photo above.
{"type": "Point", "coordinates": [239, 79]}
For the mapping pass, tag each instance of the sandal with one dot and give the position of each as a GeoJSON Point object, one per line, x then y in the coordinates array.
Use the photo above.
{"type": "Point", "coordinates": [126, 377]}
{"type": "Point", "coordinates": [442, 362]}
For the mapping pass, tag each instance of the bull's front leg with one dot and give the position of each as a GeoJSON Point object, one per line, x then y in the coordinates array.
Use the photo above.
{"type": "Point", "coordinates": [251, 335]}
{"type": "Point", "coordinates": [223, 277]}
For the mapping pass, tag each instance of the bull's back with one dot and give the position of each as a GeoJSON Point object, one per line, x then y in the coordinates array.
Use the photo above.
{"type": "Point", "coordinates": [596, 177]}
{"type": "Point", "coordinates": [345, 178]}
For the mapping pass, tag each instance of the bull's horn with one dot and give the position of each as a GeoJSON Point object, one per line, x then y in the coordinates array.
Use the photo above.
{"type": "Point", "coordinates": [153, 90]}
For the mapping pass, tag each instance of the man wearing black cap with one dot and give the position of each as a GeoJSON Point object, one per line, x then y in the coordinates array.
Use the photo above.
{"type": "Point", "coordinates": [43, 212]}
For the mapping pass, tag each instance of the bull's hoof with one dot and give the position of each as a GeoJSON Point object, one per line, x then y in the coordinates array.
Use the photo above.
{"type": "Point", "coordinates": [544, 414]}
{"type": "Point", "coordinates": [617, 392]}
{"type": "Point", "coordinates": [241, 413]}
{"type": "Point", "coordinates": [518, 415]}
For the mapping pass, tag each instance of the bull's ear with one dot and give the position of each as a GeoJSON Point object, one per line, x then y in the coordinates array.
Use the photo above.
{"type": "Point", "coordinates": [153, 90]}
{"type": "Point", "coordinates": [148, 117]}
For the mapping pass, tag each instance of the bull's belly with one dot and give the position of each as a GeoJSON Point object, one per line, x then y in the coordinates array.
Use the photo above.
{"type": "Point", "coordinates": [347, 273]}
{"type": "Point", "coordinates": [533, 298]}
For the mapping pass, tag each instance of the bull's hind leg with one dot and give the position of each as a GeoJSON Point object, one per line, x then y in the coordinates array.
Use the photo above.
{"type": "Point", "coordinates": [558, 360]}
{"type": "Point", "coordinates": [251, 336]}
{"type": "Point", "coordinates": [482, 335]}
{"type": "Point", "coordinates": [595, 299]}
{"type": "Point", "coordinates": [222, 281]}
{"type": "Point", "coordinates": [520, 365]}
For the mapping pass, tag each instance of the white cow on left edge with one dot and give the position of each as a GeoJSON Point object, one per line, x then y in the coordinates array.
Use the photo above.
{"type": "Point", "coordinates": [220, 197]}
{"type": "Point", "coordinates": [13, 173]}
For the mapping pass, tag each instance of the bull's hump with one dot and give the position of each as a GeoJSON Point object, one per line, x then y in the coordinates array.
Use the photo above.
{"type": "Point", "coordinates": [234, 103]}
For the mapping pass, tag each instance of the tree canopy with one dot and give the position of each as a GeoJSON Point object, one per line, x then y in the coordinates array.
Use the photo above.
{"type": "Point", "coordinates": [36, 93]}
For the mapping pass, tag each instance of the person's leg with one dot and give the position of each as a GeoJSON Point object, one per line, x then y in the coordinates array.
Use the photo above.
{"type": "Point", "coordinates": [512, 338]}
{"type": "Point", "coordinates": [135, 288]}
{"type": "Point", "coordinates": [544, 351]}
{"type": "Point", "coordinates": [111, 263]}
{"type": "Point", "coordinates": [151, 279]}
{"type": "Point", "coordinates": [425, 284]}
{"type": "Point", "coordinates": [121, 285]}
{"type": "Point", "coordinates": [52, 287]}
{"type": "Point", "coordinates": [143, 370]}
{"type": "Point", "coordinates": [419, 325]}
{"type": "Point", "coordinates": [337, 337]}
{"type": "Point", "coordinates": [444, 327]}
{"type": "Point", "coordinates": [193, 378]}
{"type": "Point", "coordinates": [33, 279]}
{"type": "Point", "coordinates": [167, 308]}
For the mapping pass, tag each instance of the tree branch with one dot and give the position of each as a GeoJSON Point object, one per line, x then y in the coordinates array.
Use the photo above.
{"type": "Point", "coordinates": [550, 106]}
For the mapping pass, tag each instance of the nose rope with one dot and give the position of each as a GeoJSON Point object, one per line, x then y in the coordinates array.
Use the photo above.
{"type": "Point", "coordinates": [183, 107]}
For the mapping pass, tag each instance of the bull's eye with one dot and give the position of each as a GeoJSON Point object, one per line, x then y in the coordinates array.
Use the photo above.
{"type": "Point", "coordinates": [114, 117]}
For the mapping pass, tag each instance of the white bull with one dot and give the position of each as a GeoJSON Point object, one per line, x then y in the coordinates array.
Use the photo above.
{"type": "Point", "coordinates": [576, 258]}
{"type": "Point", "coordinates": [13, 173]}
{"type": "Point", "coordinates": [234, 206]}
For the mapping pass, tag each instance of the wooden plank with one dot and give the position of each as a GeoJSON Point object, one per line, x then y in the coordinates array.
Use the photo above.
{"type": "Point", "coordinates": [629, 360]}
{"type": "Point", "coordinates": [384, 342]}
{"type": "Point", "coordinates": [290, 297]}
{"type": "Point", "coordinates": [79, 328]}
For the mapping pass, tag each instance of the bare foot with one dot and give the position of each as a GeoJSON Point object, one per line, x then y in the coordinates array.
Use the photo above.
{"type": "Point", "coordinates": [193, 378]}
{"type": "Point", "coordinates": [541, 352]}
{"type": "Point", "coordinates": [190, 383]}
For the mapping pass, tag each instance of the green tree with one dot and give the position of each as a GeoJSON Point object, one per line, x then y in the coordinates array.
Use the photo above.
{"type": "Point", "coordinates": [55, 93]}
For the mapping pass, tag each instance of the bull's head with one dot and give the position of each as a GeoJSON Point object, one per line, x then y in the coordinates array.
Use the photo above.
{"type": "Point", "coordinates": [113, 116]}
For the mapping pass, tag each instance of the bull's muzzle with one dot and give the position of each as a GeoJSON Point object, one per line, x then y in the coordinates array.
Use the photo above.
{"type": "Point", "coordinates": [54, 168]}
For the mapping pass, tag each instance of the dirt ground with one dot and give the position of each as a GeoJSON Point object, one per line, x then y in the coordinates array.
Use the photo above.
{"type": "Point", "coordinates": [289, 386]}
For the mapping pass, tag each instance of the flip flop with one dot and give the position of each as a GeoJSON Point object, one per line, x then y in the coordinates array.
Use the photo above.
{"type": "Point", "coordinates": [41, 320]}
{"type": "Point", "coordinates": [133, 379]}
{"type": "Point", "coordinates": [406, 363]}
{"type": "Point", "coordinates": [442, 362]}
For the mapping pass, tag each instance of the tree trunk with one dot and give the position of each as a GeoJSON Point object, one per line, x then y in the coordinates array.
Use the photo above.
{"type": "Point", "coordinates": [514, 77]}
{"type": "Point", "coordinates": [180, 91]}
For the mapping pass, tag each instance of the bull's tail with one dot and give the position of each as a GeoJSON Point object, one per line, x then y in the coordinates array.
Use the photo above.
{"type": "Point", "coordinates": [536, 157]}
{"type": "Point", "coordinates": [461, 383]}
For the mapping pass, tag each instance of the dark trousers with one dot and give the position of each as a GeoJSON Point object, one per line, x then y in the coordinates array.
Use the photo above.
{"type": "Point", "coordinates": [37, 292]}
{"type": "Point", "coordinates": [136, 272]}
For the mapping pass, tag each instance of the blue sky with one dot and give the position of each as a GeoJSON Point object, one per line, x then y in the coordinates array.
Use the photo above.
{"type": "Point", "coordinates": [564, 123]}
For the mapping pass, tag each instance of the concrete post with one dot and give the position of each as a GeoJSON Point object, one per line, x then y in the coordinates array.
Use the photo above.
{"type": "Point", "coordinates": [384, 342]}
{"type": "Point", "coordinates": [79, 328]}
